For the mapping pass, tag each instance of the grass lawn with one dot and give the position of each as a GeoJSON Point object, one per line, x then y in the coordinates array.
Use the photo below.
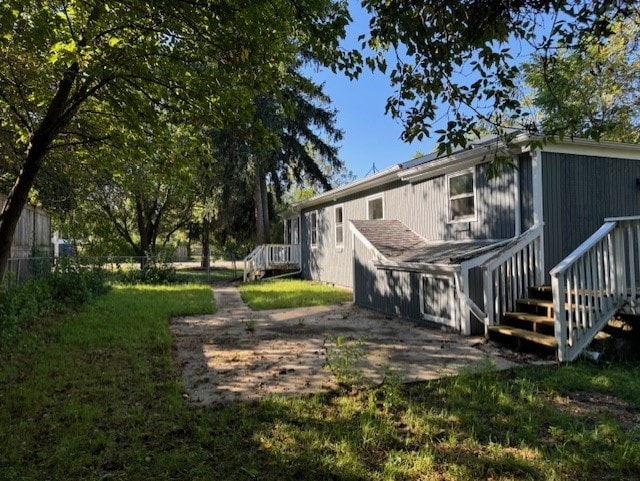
{"type": "Point", "coordinates": [282, 293]}
{"type": "Point", "coordinates": [201, 276]}
{"type": "Point", "coordinates": [97, 396]}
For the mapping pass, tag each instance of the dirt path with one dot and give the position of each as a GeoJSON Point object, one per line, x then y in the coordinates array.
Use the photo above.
{"type": "Point", "coordinates": [240, 354]}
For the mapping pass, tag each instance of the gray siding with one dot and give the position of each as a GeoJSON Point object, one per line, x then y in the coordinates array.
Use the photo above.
{"type": "Point", "coordinates": [391, 292]}
{"type": "Point", "coordinates": [476, 293]}
{"type": "Point", "coordinates": [526, 191]}
{"type": "Point", "coordinates": [423, 207]}
{"type": "Point", "coordinates": [579, 192]}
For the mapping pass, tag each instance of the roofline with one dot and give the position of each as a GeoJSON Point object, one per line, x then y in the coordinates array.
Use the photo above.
{"type": "Point", "coordinates": [478, 152]}
{"type": "Point", "coordinates": [381, 178]}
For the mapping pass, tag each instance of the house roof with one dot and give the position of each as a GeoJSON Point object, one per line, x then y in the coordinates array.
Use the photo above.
{"type": "Point", "coordinates": [398, 243]}
{"type": "Point", "coordinates": [481, 150]}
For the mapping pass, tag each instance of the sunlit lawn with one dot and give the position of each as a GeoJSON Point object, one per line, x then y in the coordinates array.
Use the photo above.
{"type": "Point", "coordinates": [282, 293]}
{"type": "Point", "coordinates": [198, 275]}
{"type": "Point", "coordinates": [97, 396]}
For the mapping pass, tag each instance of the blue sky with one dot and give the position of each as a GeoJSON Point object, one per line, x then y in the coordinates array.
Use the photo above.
{"type": "Point", "coordinates": [370, 136]}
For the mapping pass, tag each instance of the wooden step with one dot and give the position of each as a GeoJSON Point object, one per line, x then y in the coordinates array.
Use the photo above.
{"type": "Point", "coordinates": [541, 292]}
{"type": "Point", "coordinates": [541, 307]}
{"type": "Point", "coordinates": [515, 332]}
{"type": "Point", "coordinates": [534, 322]}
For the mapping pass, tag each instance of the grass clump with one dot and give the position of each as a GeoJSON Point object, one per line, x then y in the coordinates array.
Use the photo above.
{"type": "Point", "coordinates": [287, 293]}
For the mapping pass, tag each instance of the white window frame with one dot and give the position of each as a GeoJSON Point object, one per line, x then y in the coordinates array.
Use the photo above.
{"type": "Point", "coordinates": [449, 322]}
{"type": "Point", "coordinates": [313, 228]}
{"type": "Point", "coordinates": [467, 218]}
{"type": "Point", "coordinates": [375, 197]}
{"type": "Point", "coordinates": [295, 231]}
{"type": "Point", "coordinates": [339, 245]}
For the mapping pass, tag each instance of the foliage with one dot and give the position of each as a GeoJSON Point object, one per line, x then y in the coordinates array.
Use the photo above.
{"type": "Point", "coordinates": [66, 288]}
{"type": "Point", "coordinates": [591, 92]}
{"type": "Point", "coordinates": [73, 72]}
{"type": "Point", "coordinates": [155, 270]}
{"type": "Point", "coordinates": [283, 293]}
{"type": "Point", "coordinates": [459, 59]}
{"type": "Point", "coordinates": [98, 396]}
{"type": "Point", "coordinates": [343, 358]}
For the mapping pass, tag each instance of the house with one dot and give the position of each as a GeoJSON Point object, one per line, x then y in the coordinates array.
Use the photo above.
{"type": "Point", "coordinates": [437, 240]}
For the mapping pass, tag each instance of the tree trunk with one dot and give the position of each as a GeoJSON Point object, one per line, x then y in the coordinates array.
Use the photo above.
{"type": "Point", "coordinates": [262, 208]}
{"type": "Point", "coordinates": [56, 118]}
{"type": "Point", "coordinates": [205, 262]}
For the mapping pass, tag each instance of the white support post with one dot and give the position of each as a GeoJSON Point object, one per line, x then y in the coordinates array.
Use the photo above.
{"type": "Point", "coordinates": [557, 287]}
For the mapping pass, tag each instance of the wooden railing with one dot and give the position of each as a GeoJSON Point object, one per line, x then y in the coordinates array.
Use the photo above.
{"type": "Point", "coordinates": [595, 281]}
{"type": "Point", "coordinates": [271, 256]}
{"type": "Point", "coordinates": [510, 272]}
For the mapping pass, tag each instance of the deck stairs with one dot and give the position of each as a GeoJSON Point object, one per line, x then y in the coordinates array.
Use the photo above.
{"type": "Point", "coordinates": [596, 282]}
{"type": "Point", "coordinates": [531, 324]}
{"type": "Point", "coordinates": [272, 261]}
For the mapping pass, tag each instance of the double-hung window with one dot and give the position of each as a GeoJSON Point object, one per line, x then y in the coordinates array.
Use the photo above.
{"type": "Point", "coordinates": [339, 226]}
{"type": "Point", "coordinates": [462, 196]}
{"type": "Point", "coordinates": [375, 208]}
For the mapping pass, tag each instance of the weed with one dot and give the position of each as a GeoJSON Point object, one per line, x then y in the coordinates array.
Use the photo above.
{"type": "Point", "coordinates": [250, 325]}
{"type": "Point", "coordinates": [343, 359]}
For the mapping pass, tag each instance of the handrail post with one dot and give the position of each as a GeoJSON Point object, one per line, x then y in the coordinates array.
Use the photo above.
{"type": "Point", "coordinates": [488, 301]}
{"type": "Point", "coordinates": [557, 287]}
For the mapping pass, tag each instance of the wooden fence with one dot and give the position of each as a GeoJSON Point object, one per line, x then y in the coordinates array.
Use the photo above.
{"type": "Point", "coordinates": [33, 233]}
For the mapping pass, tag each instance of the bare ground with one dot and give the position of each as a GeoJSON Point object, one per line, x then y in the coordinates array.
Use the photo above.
{"type": "Point", "coordinates": [240, 354]}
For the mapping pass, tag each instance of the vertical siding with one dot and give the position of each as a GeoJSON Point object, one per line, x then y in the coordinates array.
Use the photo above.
{"type": "Point", "coordinates": [579, 192]}
{"type": "Point", "coordinates": [391, 292]}
{"type": "Point", "coordinates": [476, 293]}
{"type": "Point", "coordinates": [526, 190]}
{"type": "Point", "coordinates": [423, 207]}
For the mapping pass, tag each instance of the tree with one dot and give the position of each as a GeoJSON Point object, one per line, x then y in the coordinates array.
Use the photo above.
{"type": "Point", "coordinates": [62, 61]}
{"type": "Point", "coordinates": [292, 129]}
{"type": "Point", "coordinates": [458, 59]}
{"type": "Point", "coordinates": [592, 92]}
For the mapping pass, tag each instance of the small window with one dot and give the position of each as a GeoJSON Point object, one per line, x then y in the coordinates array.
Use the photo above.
{"type": "Point", "coordinates": [462, 205]}
{"type": "Point", "coordinates": [436, 300]}
{"type": "Point", "coordinates": [294, 231]}
{"type": "Point", "coordinates": [339, 226]}
{"type": "Point", "coordinates": [313, 222]}
{"type": "Point", "coordinates": [375, 208]}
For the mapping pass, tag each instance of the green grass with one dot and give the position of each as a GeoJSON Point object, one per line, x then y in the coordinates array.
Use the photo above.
{"type": "Point", "coordinates": [97, 396]}
{"type": "Point", "coordinates": [283, 293]}
{"type": "Point", "coordinates": [201, 276]}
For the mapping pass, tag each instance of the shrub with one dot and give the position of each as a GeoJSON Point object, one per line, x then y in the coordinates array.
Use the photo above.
{"type": "Point", "coordinates": [68, 287]}
{"type": "Point", "coordinates": [154, 271]}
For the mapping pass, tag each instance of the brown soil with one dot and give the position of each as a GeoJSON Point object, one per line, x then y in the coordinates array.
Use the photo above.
{"type": "Point", "coordinates": [240, 354]}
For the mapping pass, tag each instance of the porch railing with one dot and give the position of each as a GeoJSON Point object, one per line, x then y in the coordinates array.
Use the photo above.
{"type": "Point", "coordinates": [596, 280]}
{"type": "Point", "coordinates": [271, 256]}
{"type": "Point", "coordinates": [510, 272]}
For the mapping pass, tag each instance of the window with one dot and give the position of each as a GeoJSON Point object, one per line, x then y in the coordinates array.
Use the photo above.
{"type": "Point", "coordinates": [436, 299]}
{"type": "Point", "coordinates": [375, 208]}
{"type": "Point", "coordinates": [462, 197]}
{"type": "Point", "coordinates": [291, 231]}
{"type": "Point", "coordinates": [294, 230]}
{"type": "Point", "coordinates": [339, 226]}
{"type": "Point", "coordinates": [313, 224]}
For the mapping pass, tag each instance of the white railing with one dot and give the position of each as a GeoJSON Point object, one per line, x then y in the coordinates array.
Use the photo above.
{"type": "Point", "coordinates": [271, 256]}
{"type": "Point", "coordinates": [596, 280]}
{"type": "Point", "coordinates": [510, 272]}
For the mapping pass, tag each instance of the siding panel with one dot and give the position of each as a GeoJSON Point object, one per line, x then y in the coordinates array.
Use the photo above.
{"type": "Point", "coordinates": [579, 193]}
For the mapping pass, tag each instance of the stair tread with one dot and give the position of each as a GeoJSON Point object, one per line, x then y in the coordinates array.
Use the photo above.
{"type": "Point", "coordinates": [526, 316]}
{"type": "Point", "coordinates": [538, 338]}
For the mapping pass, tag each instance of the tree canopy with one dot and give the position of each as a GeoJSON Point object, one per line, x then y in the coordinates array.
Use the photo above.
{"type": "Point", "coordinates": [458, 60]}
{"type": "Point", "coordinates": [69, 66]}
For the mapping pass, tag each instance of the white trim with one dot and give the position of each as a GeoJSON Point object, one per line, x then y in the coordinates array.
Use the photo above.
{"type": "Point", "coordinates": [468, 218]}
{"type": "Point", "coordinates": [517, 201]}
{"type": "Point", "coordinates": [449, 322]}
{"type": "Point", "coordinates": [536, 180]}
{"type": "Point", "coordinates": [338, 245]}
{"type": "Point", "coordinates": [374, 197]}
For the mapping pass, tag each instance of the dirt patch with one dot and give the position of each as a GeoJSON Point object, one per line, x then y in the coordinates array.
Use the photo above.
{"type": "Point", "coordinates": [594, 405]}
{"type": "Point", "coordinates": [239, 354]}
